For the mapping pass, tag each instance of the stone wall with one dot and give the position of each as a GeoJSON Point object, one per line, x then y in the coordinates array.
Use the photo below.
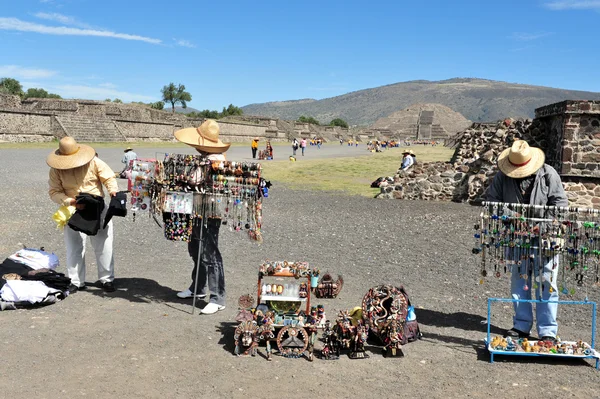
{"type": "Point", "coordinates": [135, 121]}
{"type": "Point", "coordinates": [16, 126]}
{"type": "Point", "coordinates": [139, 131]}
{"type": "Point", "coordinates": [575, 126]}
{"type": "Point", "coordinates": [568, 132]}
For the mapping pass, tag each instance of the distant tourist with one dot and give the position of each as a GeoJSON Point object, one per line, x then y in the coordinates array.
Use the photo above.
{"type": "Point", "coordinates": [408, 160]}
{"type": "Point", "coordinates": [303, 145]}
{"type": "Point", "coordinates": [129, 156]}
{"type": "Point", "coordinates": [269, 150]}
{"type": "Point", "coordinates": [295, 145]}
{"type": "Point", "coordinates": [254, 146]}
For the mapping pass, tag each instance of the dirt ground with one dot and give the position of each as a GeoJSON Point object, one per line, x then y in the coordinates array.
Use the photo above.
{"type": "Point", "coordinates": [142, 341]}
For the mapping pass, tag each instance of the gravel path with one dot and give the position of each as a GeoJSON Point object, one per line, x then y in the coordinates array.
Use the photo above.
{"type": "Point", "coordinates": [142, 341]}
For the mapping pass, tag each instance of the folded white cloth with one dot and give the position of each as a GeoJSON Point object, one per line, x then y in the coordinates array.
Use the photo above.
{"type": "Point", "coordinates": [25, 290]}
{"type": "Point", "coordinates": [36, 258]}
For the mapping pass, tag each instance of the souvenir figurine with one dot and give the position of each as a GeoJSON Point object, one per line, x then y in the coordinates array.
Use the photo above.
{"type": "Point", "coordinates": [246, 338]}
{"type": "Point", "coordinates": [360, 338]}
{"type": "Point", "coordinates": [266, 332]}
{"type": "Point", "coordinates": [331, 347]}
{"type": "Point", "coordinates": [327, 288]}
{"type": "Point", "coordinates": [303, 290]}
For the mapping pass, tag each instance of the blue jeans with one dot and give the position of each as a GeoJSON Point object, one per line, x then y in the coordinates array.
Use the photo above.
{"type": "Point", "coordinates": [545, 312]}
{"type": "Point", "coordinates": [211, 263]}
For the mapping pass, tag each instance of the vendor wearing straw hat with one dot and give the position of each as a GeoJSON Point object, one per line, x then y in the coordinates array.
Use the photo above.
{"type": "Point", "coordinates": [524, 178]}
{"type": "Point", "coordinates": [75, 169]}
{"type": "Point", "coordinates": [129, 156]}
{"type": "Point", "coordinates": [408, 159]}
{"type": "Point", "coordinates": [205, 139]}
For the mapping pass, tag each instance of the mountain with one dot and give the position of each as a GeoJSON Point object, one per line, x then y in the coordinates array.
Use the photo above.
{"type": "Point", "coordinates": [479, 100]}
{"type": "Point", "coordinates": [181, 110]}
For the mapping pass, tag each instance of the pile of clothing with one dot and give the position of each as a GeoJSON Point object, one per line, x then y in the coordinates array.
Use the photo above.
{"type": "Point", "coordinates": [28, 278]}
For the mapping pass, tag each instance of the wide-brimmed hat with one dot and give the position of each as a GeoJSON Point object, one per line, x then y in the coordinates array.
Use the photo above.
{"type": "Point", "coordinates": [128, 149]}
{"type": "Point", "coordinates": [256, 138]}
{"type": "Point", "coordinates": [410, 152]}
{"type": "Point", "coordinates": [204, 138]}
{"type": "Point", "coordinates": [70, 154]}
{"type": "Point", "coordinates": [520, 160]}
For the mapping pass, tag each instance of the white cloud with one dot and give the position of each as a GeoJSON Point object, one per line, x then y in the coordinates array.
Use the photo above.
{"type": "Point", "coordinates": [184, 43]}
{"type": "Point", "coordinates": [63, 19]}
{"type": "Point", "coordinates": [96, 93]}
{"type": "Point", "coordinates": [573, 5]}
{"type": "Point", "coordinates": [14, 24]}
{"type": "Point", "coordinates": [108, 85]}
{"type": "Point", "coordinates": [17, 72]}
{"type": "Point", "coordinates": [525, 37]}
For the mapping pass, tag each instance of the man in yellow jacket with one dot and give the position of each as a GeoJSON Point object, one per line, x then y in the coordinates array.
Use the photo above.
{"type": "Point", "coordinates": [75, 169]}
{"type": "Point", "coordinates": [254, 147]}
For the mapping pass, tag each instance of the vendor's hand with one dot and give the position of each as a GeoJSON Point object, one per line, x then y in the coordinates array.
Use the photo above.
{"type": "Point", "coordinates": [113, 193]}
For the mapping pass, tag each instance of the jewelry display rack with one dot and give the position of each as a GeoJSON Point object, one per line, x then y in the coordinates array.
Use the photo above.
{"type": "Point", "coordinates": [510, 236]}
{"type": "Point", "coordinates": [192, 188]}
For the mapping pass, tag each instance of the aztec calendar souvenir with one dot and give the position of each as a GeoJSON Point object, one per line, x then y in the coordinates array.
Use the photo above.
{"type": "Point", "coordinates": [292, 341]}
{"type": "Point", "coordinates": [382, 304]}
{"type": "Point", "coordinates": [246, 301]}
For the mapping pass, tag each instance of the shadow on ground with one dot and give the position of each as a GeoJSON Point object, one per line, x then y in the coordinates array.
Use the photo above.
{"type": "Point", "coordinates": [143, 290]}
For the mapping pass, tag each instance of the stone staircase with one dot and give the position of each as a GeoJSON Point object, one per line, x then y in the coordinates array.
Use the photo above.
{"type": "Point", "coordinates": [88, 129]}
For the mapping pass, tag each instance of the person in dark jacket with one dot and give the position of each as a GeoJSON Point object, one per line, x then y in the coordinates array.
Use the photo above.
{"type": "Point", "coordinates": [524, 178]}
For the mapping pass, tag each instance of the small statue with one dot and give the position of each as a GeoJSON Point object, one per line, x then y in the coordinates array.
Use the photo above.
{"type": "Point", "coordinates": [246, 337]}
{"type": "Point", "coordinates": [266, 331]}
{"type": "Point", "coordinates": [327, 288]}
{"type": "Point", "coordinates": [303, 290]}
{"type": "Point", "coordinates": [360, 338]}
{"type": "Point", "coordinates": [331, 349]}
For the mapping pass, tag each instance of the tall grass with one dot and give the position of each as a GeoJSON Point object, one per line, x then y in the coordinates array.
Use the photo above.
{"type": "Point", "coordinates": [348, 175]}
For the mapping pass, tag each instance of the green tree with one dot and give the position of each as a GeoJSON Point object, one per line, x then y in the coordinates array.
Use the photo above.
{"type": "Point", "coordinates": [232, 110]}
{"type": "Point", "coordinates": [108, 100]}
{"type": "Point", "coordinates": [339, 122]}
{"type": "Point", "coordinates": [11, 86]}
{"type": "Point", "coordinates": [39, 93]}
{"type": "Point", "coordinates": [308, 119]}
{"type": "Point", "coordinates": [175, 95]}
{"type": "Point", "coordinates": [118, 101]}
{"type": "Point", "coordinates": [157, 105]}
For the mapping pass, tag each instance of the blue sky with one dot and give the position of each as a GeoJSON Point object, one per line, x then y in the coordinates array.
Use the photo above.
{"type": "Point", "coordinates": [245, 52]}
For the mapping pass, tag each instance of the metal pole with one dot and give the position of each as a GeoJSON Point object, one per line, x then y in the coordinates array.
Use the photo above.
{"type": "Point", "coordinates": [545, 207]}
{"type": "Point", "coordinates": [200, 250]}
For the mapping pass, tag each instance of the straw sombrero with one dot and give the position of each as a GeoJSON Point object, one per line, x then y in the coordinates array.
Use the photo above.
{"type": "Point", "coordinates": [204, 138]}
{"type": "Point", "coordinates": [521, 160]}
{"type": "Point", "coordinates": [409, 152]}
{"type": "Point", "coordinates": [70, 154]}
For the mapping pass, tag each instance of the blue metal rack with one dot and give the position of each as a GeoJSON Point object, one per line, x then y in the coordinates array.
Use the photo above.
{"type": "Point", "coordinates": [593, 355]}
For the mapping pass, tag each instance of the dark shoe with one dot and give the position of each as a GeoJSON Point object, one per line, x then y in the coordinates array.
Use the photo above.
{"type": "Point", "coordinates": [73, 288]}
{"type": "Point", "coordinates": [514, 333]}
{"type": "Point", "coordinates": [108, 286]}
{"type": "Point", "coordinates": [547, 338]}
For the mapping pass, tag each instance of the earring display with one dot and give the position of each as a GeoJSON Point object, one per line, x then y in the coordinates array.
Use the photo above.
{"type": "Point", "coordinates": [198, 187]}
{"type": "Point", "coordinates": [548, 250]}
{"type": "Point", "coordinates": [510, 237]}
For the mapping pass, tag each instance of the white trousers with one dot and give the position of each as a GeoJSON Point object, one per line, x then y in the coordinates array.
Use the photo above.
{"type": "Point", "coordinates": [103, 247]}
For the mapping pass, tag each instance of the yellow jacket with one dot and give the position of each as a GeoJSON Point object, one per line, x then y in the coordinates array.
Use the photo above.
{"type": "Point", "coordinates": [65, 184]}
{"type": "Point", "coordinates": [254, 144]}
